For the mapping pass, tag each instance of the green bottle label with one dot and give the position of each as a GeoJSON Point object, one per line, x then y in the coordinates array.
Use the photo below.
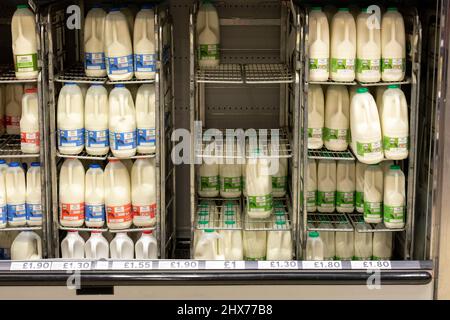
{"type": "Point", "coordinates": [279, 184]}
{"type": "Point", "coordinates": [326, 199]}
{"type": "Point", "coordinates": [208, 52]}
{"type": "Point", "coordinates": [315, 133]}
{"type": "Point", "coordinates": [372, 210]}
{"type": "Point", "coordinates": [367, 65]}
{"type": "Point", "coordinates": [395, 144]}
{"type": "Point", "coordinates": [209, 183]}
{"type": "Point", "coordinates": [368, 149]}
{"type": "Point", "coordinates": [335, 134]}
{"type": "Point", "coordinates": [359, 200]}
{"type": "Point", "coordinates": [394, 214]}
{"type": "Point", "coordinates": [26, 62]}
{"type": "Point", "coordinates": [342, 65]}
{"type": "Point", "coordinates": [231, 184]}
{"type": "Point", "coordinates": [260, 203]}
{"type": "Point", "coordinates": [345, 199]}
{"type": "Point", "coordinates": [393, 65]}
{"type": "Point", "coordinates": [319, 64]}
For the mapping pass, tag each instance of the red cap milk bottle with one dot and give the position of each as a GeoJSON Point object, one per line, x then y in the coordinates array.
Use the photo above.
{"type": "Point", "coordinates": [29, 123]}
{"type": "Point", "coordinates": [144, 43]}
{"type": "Point", "coordinates": [143, 192]}
{"type": "Point", "coordinates": [96, 109]}
{"type": "Point", "coordinates": [16, 195]}
{"type": "Point", "coordinates": [13, 109]}
{"type": "Point", "coordinates": [94, 35]}
{"type": "Point", "coordinates": [145, 119]}
{"type": "Point", "coordinates": [71, 193]}
{"type": "Point", "coordinates": [147, 246]}
{"type": "Point", "coordinates": [94, 197]}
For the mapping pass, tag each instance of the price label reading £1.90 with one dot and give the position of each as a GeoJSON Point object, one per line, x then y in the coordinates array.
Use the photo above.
{"type": "Point", "coordinates": [31, 266]}
{"type": "Point", "coordinates": [179, 264]}
{"type": "Point", "coordinates": [322, 265]}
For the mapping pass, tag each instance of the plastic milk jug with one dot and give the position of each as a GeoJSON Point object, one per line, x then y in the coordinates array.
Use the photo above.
{"type": "Point", "coordinates": [382, 244]}
{"type": "Point", "coordinates": [379, 98]}
{"type": "Point", "coordinates": [359, 194]}
{"type": "Point", "coordinates": [230, 243]}
{"type": "Point", "coordinates": [2, 108]}
{"type": "Point", "coordinates": [29, 122]}
{"type": "Point", "coordinates": [122, 122]}
{"type": "Point", "coordinates": [96, 120]}
{"type": "Point", "coordinates": [230, 180]}
{"type": "Point", "coordinates": [208, 35]}
{"type": "Point", "coordinates": [13, 109]}
{"type": "Point", "coordinates": [336, 131]}
{"type": "Point", "coordinates": [33, 197]}
{"type": "Point", "coordinates": [394, 124]}
{"type": "Point", "coordinates": [368, 53]}
{"type": "Point", "coordinates": [326, 186]}
{"type": "Point", "coordinates": [345, 189]}
{"type": "Point", "coordinates": [24, 43]}
{"type": "Point", "coordinates": [146, 118]}
{"type": "Point", "coordinates": [363, 243]}
{"type": "Point", "coordinates": [316, 116]}
{"type": "Point", "coordinates": [343, 46]}
{"type": "Point", "coordinates": [259, 188]}
{"type": "Point", "coordinates": [3, 206]}
{"type": "Point", "coordinates": [319, 45]}
{"type": "Point", "coordinates": [345, 246]}
{"type": "Point", "coordinates": [373, 194]}
{"type": "Point", "coordinates": [117, 195]}
{"type": "Point", "coordinates": [279, 241]}
{"type": "Point", "coordinates": [147, 246]}
{"type": "Point", "coordinates": [72, 246]}
{"type": "Point", "coordinates": [143, 192]}
{"type": "Point", "coordinates": [26, 246]}
{"type": "Point", "coordinates": [208, 180]}
{"type": "Point", "coordinates": [94, 197]}
{"type": "Point", "coordinates": [394, 204]}
{"type": "Point", "coordinates": [3, 166]}
{"type": "Point", "coordinates": [393, 46]}
{"type": "Point", "coordinates": [280, 178]}
{"type": "Point", "coordinates": [94, 37]}
{"type": "Point", "coordinates": [118, 46]}
{"type": "Point", "coordinates": [16, 195]}
{"type": "Point", "coordinates": [365, 128]}
{"type": "Point", "coordinates": [328, 239]}
{"type": "Point", "coordinates": [255, 242]}
{"type": "Point", "coordinates": [311, 186]}
{"type": "Point", "coordinates": [97, 247]}
{"type": "Point", "coordinates": [144, 44]}
{"type": "Point", "coordinates": [70, 119]}
{"type": "Point", "coordinates": [71, 193]}
{"type": "Point", "coordinates": [207, 247]}
{"type": "Point", "coordinates": [122, 247]}
{"type": "Point", "coordinates": [314, 247]}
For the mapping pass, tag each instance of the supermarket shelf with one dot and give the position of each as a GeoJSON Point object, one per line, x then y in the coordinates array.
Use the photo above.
{"type": "Point", "coordinates": [10, 148]}
{"type": "Point", "coordinates": [132, 81]}
{"type": "Point", "coordinates": [133, 229]}
{"type": "Point", "coordinates": [20, 228]}
{"type": "Point", "coordinates": [81, 229]}
{"type": "Point", "coordinates": [358, 219]}
{"type": "Point", "coordinates": [280, 222]}
{"type": "Point", "coordinates": [216, 217]}
{"type": "Point", "coordinates": [268, 73]}
{"type": "Point", "coordinates": [8, 75]}
{"type": "Point", "coordinates": [383, 83]}
{"type": "Point", "coordinates": [137, 156]}
{"type": "Point", "coordinates": [324, 154]}
{"type": "Point", "coordinates": [331, 82]}
{"type": "Point", "coordinates": [83, 155]}
{"type": "Point", "coordinates": [77, 75]}
{"type": "Point", "coordinates": [334, 219]}
{"type": "Point", "coordinates": [224, 73]}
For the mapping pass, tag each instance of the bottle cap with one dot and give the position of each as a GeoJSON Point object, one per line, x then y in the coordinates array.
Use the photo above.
{"type": "Point", "coordinates": [316, 9]}
{"type": "Point", "coordinates": [209, 230]}
{"type": "Point", "coordinates": [147, 232]}
{"type": "Point", "coordinates": [114, 9]}
{"type": "Point", "coordinates": [120, 85]}
{"type": "Point", "coordinates": [314, 234]}
{"type": "Point", "coordinates": [203, 222]}
{"type": "Point", "coordinates": [22, 6]}
{"type": "Point", "coordinates": [395, 167]}
{"type": "Point", "coordinates": [14, 164]}
{"type": "Point", "coordinates": [280, 222]}
{"type": "Point", "coordinates": [393, 86]}
{"type": "Point", "coordinates": [31, 90]}
{"type": "Point", "coordinates": [94, 165]}
{"type": "Point", "coordinates": [343, 9]}
{"type": "Point", "coordinates": [362, 90]}
{"type": "Point", "coordinates": [2, 161]}
{"type": "Point", "coordinates": [35, 164]}
{"type": "Point", "coordinates": [70, 84]}
{"type": "Point", "coordinates": [392, 9]}
{"type": "Point", "coordinates": [230, 222]}
{"type": "Point", "coordinates": [147, 6]}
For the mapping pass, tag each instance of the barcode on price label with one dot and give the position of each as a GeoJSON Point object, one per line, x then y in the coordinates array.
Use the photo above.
{"type": "Point", "coordinates": [31, 266]}
{"type": "Point", "coordinates": [230, 265]}
{"type": "Point", "coordinates": [102, 265]}
{"type": "Point", "coordinates": [71, 265]}
{"type": "Point", "coordinates": [371, 265]}
{"type": "Point", "coordinates": [322, 265]}
{"type": "Point", "coordinates": [179, 265]}
{"type": "Point", "coordinates": [132, 265]}
{"type": "Point", "coordinates": [265, 265]}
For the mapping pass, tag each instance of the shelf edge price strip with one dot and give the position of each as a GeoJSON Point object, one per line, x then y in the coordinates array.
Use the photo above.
{"type": "Point", "coordinates": [179, 265]}
{"type": "Point", "coordinates": [72, 265]}
{"type": "Point", "coordinates": [322, 265]}
{"type": "Point", "coordinates": [371, 265]}
{"type": "Point", "coordinates": [277, 265]}
{"type": "Point", "coordinates": [225, 265]}
{"type": "Point", "coordinates": [132, 265]}
{"type": "Point", "coordinates": [31, 266]}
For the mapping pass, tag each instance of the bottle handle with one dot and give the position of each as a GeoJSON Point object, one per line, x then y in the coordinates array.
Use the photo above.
{"type": "Point", "coordinates": [71, 249]}
{"type": "Point", "coordinates": [120, 244]}
{"type": "Point", "coordinates": [145, 250]}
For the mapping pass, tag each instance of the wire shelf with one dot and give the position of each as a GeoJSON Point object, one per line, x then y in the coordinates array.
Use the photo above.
{"type": "Point", "coordinates": [8, 75]}
{"type": "Point", "coordinates": [20, 228]}
{"type": "Point", "coordinates": [331, 82]}
{"type": "Point", "coordinates": [278, 221]}
{"type": "Point", "coordinates": [316, 221]}
{"type": "Point", "coordinates": [132, 81]}
{"type": "Point", "coordinates": [137, 156]}
{"type": "Point", "coordinates": [225, 216]}
{"type": "Point", "coordinates": [10, 148]}
{"type": "Point", "coordinates": [77, 75]}
{"type": "Point", "coordinates": [324, 154]}
{"type": "Point", "coordinates": [83, 156]}
{"type": "Point", "coordinates": [133, 229]}
{"type": "Point", "coordinates": [268, 73]}
{"type": "Point", "coordinates": [384, 83]}
{"type": "Point", "coordinates": [224, 73]}
{"type": "Point", "coordinates": [82, 229]}
{"type": "Point", "coordinates": [357, 219]}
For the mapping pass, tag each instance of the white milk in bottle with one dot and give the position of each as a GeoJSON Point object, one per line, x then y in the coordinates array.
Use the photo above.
{"type": "Point", "coordinates": [122, 247]}
{"type": "Point", "coordinates": [144, 44]}
{"type": "Point", "coordinates": [359, 194]}
{"type": "Point", "coordinates": [16, 195]}
{"type": "Point", "coordinates": [3, 166]}
{"type": "Point", "coordinates": [394, 204]}
{"type": "Point", "coordinates": [143, 192]}
{"type": "Point", "coordinates": [147, 246]}
{"type": "Point", "coordinates": [373, 194]}
{"type": "Point", "coordinates": [319, 45]}
{"type": "Point", "coordinates": [382, 244]}
{"type": "Point", "coordinates": [97, 247]}
{"type": "Point", "coordinates": [393, 46]}
{"type": "Point", "coordinates": [29, 122]}
{"type": "Point", "coordinates": [368, 54]}
{"type": "Point", "coordinates": [311, 186]}
{"type": "Point", "coordinates": [24, 43]}
{"type": "Point", "coordinates": [118, 46]}
{"type": "Point", "coordinates": [26, 246]}
{"type": "Point", "coordinates": [70, 119]}
{"type": "Point", "coordinates": [230, 243]}
{"type": "Point", "coordinates": [3, 206]}
{"type": "Point", "coordinates": [94, 35]}
{"type": "Point", "coordinates": [314, 247]}
{"type": "Point", "coordinates": [255, 242]}
{"type": "Point", "coordinates": [345, 189]}
{"type": "Point", "coordinates": [343, 46]}
{"type": "Point", "coordinates": [328, 239]}
{"type": "Point", "coordinates": [71, 193]}
{"type": "Point", "coordinates": [207, 247]}
{"type": "Point", "coordinates": [230, 180]}
{"type": "Point", "coordinates": [379, 98]}
{"type": "Point", "coordinates": [146, 119]}
{"type": "Point", "coordinates": [96, 120]}
{"type": "Point", "coordinates": [326, 186]}
{"type": "Point", "coordinates": [13, 109]}
{"type": "Point", "coordinates": [208, 35]}
{"type": "Point", "coordinates": [2, 108]}
{"type": "Point", "coordinates": [122, 122]}
{"type": "Point", "coordinates": [337, 118]}
{"type": "Point", "coordinates": [72, 246]}
{"type": "Point", "coordinates": [345, 246]}
{"type": "Point", "coordinates": [208, 180]}
{"type": "Point", "coordinates": [280, 178]}
{"type": "Point", "coordinates": [316, 116]}
{"type": "Point", "coordinates": [279, 240]}
{"type": "Point", "coordinates": [363, 243]}
{"type": "Point", "coordinates": [259, 187]}
{"type": "Point", "coordinates": [365, 128]}
{"type": "Point", "coordinates": [394, 123]}
{"type": "Point", "coordinates": [33, 198]}
{"type": "Point", "coordinates": [94, 197]}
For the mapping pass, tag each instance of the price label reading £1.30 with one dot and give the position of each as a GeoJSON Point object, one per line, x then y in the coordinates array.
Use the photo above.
{"type": "Point", "coordinates": [322, 265]}
{"type": "Point", "coordinates": [71, 265]}
{"type": "Point", "coordinates": [371, 265]}
{"type": "Point", "coordinates": [267, 265]}
{"type": "Point", "coordinates": [179, 265]}
{"type": "Point", "coordinates": [31, 266]}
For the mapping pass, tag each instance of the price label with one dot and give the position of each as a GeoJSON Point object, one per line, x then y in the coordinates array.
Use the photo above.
{"type": "Point", "coordinates": [31, 266]}
{"type": "Point", "coordinates": [132, 265]}
{"type": "Point", "coordinates": [322, 265]}
{"type": "Point", "coordinates": [228, 265]}
{"type": "Point", "coordinates": [71, 265]}
{"type": "Point", "coordinates": [179, 265]}
{"type": "Point", "coordinates": [264, 265]}
{"type": "Point", "coordinates": [371, 265]}
{"type": "Point", "coordinates": [102, 265]}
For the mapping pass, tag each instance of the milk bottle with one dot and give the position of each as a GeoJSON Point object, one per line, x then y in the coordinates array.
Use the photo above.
{"type": "Point", "coordinates": [143, 192]}
{"type": "Point", "coordinates": [129, 15]}
{"type": "Point", "coordinates": [393, 46]}
{"type": "Point", "coordinates": [316, 118]}
{"type": "Point", "coordinates": [16, 195]}
{"type": "Point", "coordinates": [24, 43]}
{"type": "Point", "coordinates": [26, 246]}
{"type": "Point", "coordinates": [279, 241]}
{"type": "Point", "coordinates": [359, 194]}
{"type": "Point", "coordinates": [328, 239]}
{"type": "Point", "coordinates": [96, 121]}
{"type": "Point", "coordinates": [33, 197]}
{"type": "Point", "coordinates": [122, 247]}
{"type": "Point", "coordinates": [122, 122]}
{"type": "Point", "coordinates": [230, 180]}
{"type": "Point", "coordinates": [319, 45]}
{"type": "Point", "coordinates": [373, 194]}
{"type": "Point", "coordinates": [365, 128]}
{"type": "Point", "coordinates": [382, 245]}
{"type": "Point", "coordinates": [386, 165]}
{"type": "Point", "coordinates": [336, 129]}
{"type": "Point", "coordinates": [345, 195]}
{"type": "Point", "coordinates": [207, 247]}
{"type": "Point", "coordinates": [29, 122]}
{"type": "Point", "coordinates": [314, 247]}
{"type": "Point", "coordinates": [94, 35]}
{"type": "Point", "coordinates": [259, 188]}
{"type": "Point", "coordinates": [244, 173]}
{"type": "Point", "coordinates": [311, 186]}
{"type": "Point", "coordinates": [344, 243]}
{"type": "Point", "coordinates": [363, 243]}
{"type": "Point", "coordinates": [118, 46]}
{"type": "Point", "coordinates": [71, 193]}
{"type": "Point", "coordinates": [97, 247]}
{"type": "Point", "coordinates": [280, 178]}
{"type": "Point", "coordinates": [94, 197]}
{"type": "Point", "coordinates": [255, 242]}
{"type": "Point", "coordinates": [208, 180]}
{"type": "Point", "coordinates": [379, 98]}
{"type": "Point", "coordinates": [3, 207]}
{"type": "Point", "coordinates": [2, 108]}
{"type": "Point", "coordinates": [394, 124]}
{"type": "Point", "coordinates": [117, 195]}
{"type": "Point", "coordinates": [343, 46]}
{"type": "Point", "coordinates": [326, 186]}
{"type": "Point", "coordinates": [394, 204]}
{"type": "Point", "coordinates": [3, 167]}
{"type": "Point", "coordinates": [144, 44]}
{"type": "Point", "coordinates": [72, 247]}
{"type": "Point", "coordinates": [147, 246]}
{"type": "Point", "coordinates": [208, 35]}
{"type": "Point", "coordinates": [145, 119]}
{"type": "Point", "coordinates": [368, 48]}
{"type": "Point", "coordinates": [70, 119]}
{"type": "Point", "coordinates": [13, 109]}
{"type": "Point", "coordinates": [230, 243]}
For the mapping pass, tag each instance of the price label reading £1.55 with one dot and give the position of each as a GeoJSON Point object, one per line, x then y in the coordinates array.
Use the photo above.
{"type": "Point", "coordinates": [322, 265]}
{"type": "Point", "coordinates": [132, 265]}
{"type": "Point", "coordinates": [179, 265]}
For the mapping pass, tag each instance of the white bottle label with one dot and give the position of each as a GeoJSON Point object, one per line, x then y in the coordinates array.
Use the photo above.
{"type": "Point", "coordinates": [119, 65]}
{"type": "Point", "coordinates": [311, 199]}
{"type": "Point", "coordinates": [394, 214]}
{"type": "Point", "coordinates": [26, 62]}
{"type": "Point", "coordinates": [230, 184]}
{"type": "Point", "coordinates": [34, 211]}
{"type": "Point", "coordinates": [395, 145]}
{"type": "Point", "coordinates": [12, 121]}
{"type": "Point", "coordinates": [30, 139]}
{"type": "Point", "coordinates": [316, 64]}
{"type": "Point", "coordinates": [3, 214]}
{"type": "Point", "coordinates": [119, 214]}
{"type": "Point", "coordinates": [16, 212]}
{"type": "Point", "coordinates": [95, 60]}
{"type": "Point", "coordinates": [260, 203]}
{"type": "Point", "coordinates": [145, 62]}
{"type": "Point", "coordinates": [146, 137]}
{"type": "Point", "coordinates": [97, 138]}
{"type": "Point", "coordinates": [70, 138]}
{"type": "Point", "coordinates": [123, 140]}
{"type": "Point", "coordinates": [342, 66]}
{"type": "Point", "coordinates": [72, 211]}
{"type": "Point", "coordinates": [326, 199]}
{"type": "Point", "coordinates": [372, 210]}
{"type": "Point", "coordinates": [145, 211]}
{"type": "Point", "coordinates": [95, 212]}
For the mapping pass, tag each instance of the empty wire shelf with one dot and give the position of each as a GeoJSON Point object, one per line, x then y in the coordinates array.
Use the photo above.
{"type": "Point", "coordinates": [76, 74]}
{"type": "Point", "coordinates": [268, 73]}
{"type": "Point", "coordinates": [224, 73]}
{"type": "Point", "coordinates": [357, 220]}
{"type": "Point", "coordinates": [10, 148]}
{"type": "Point", "coordinates": [324, 154]}
{"type": "Point", "coordinates": [136, 156]}
{"type": "Point", "coordinates": [8, 75]}
{"type": "Point", "coordinates": [329, 222]}
{"type": "Point", "coordinates": [132, 81]}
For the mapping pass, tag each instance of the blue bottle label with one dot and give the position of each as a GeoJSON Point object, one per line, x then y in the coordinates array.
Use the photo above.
{"type": "Point", "coordinates": [120, 65]}
{"type": "Point", "coordinates": [95, 213]}
{"type": "Point", "coordinates": [70, 138]}
{"type": "Point", "coordinates": [146, 137]}
{"type": "Point", "coordinates": [145, 62]}
{"type": "Point", "coordinates": [3, 214]}
{"type": "Point", "coordinates": [34, 211]}
{"type": "Point", "coordinates": [97, 138]}
{"type": "Point", "coordinates": [123, 140]}
{"type": "Point", "coordinates": [95, 60]}
{"type": "Point", "coordinates": [16, 212]}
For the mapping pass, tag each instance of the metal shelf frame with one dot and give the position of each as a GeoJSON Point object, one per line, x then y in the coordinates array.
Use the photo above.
{"type": "Point", "coordinates": [358, 219]}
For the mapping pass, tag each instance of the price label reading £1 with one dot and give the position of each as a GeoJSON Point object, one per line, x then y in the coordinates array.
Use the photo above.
{"type": "Point", "coordinates": [179, 265]}
{"type": "Point", "coordinates": [227, 265]}
{"type": "Point", "coordinates": [322, 265]}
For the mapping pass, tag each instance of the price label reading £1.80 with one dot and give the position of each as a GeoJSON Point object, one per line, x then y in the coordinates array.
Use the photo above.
{"type": "Point", "coordinates": [179, 265]}
{"type": "Point", "coordinates": [31, 266]}
{"type": "Point", "coordinates": [322, 265]}
{"type": "Point", "coordinates": [371, 265]}
{"type": "Point", "coordinates": [267, 265]}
